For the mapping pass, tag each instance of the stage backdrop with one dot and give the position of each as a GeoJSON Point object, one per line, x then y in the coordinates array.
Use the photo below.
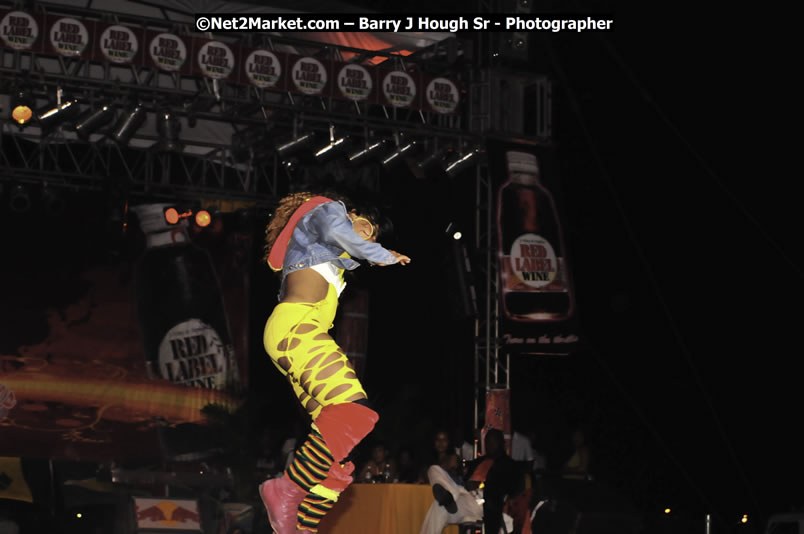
{"type": "Point", "coordinates": [128, 354]}
{"type": "Point", "coordinates": [538, 309]}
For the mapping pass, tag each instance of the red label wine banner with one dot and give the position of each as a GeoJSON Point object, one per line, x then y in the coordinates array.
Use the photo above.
{"type": "Point", "coordinates": [86, 38]}
{"type": "Point", "coordinates": [119, 44]}
{"type": "Point", "coordinates": [21, 31]}
{"type": "Point", "coordinates": [264, 69]}
{"type": "Point", "coordinates": [537, 293]}
{"type": "Point", "coordinates": [78, 379]}
{"type": "Point", "coordinates": [308, 75]}
{"type": "Point", "coordinates": [70, 37]}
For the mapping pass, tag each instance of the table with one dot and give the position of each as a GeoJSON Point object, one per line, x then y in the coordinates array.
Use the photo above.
{"type": "Point", "coordinates": [380, 509]}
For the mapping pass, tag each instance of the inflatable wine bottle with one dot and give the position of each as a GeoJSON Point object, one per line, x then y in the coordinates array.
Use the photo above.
{"type": "Point", "coordinates": [532, 253]}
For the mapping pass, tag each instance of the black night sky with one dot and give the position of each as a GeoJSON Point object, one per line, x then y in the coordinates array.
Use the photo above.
{"type": "Point", "coordinates": [671, 133]}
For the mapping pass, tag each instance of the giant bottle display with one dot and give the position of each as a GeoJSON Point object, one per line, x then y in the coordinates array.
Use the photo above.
{"type": "Point", "coordinates": [185, 333]}
{"type": "Point", "coordinates": [533, 259]}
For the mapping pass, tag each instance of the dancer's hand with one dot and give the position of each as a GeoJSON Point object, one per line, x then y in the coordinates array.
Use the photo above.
{"type": "Point", "coordinates": [400, 258]}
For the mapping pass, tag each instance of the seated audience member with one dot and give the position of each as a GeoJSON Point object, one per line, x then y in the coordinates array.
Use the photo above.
{"type": "Point", "coordinates": [463, 448]}
{"type": "Point", "coordinates": [408, 470]}
{"type": "Point", "coordinates": [444, 456]}
{"type": "Point", "coordinates": [578, 464]}
{"type": "Point", "coordinates": [489, 479]}
{"type": "Point", "coordinates": [381, 467]}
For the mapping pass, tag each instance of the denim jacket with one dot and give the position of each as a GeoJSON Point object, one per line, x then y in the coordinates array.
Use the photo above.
{"type": "Point", "coordinates": [322, 236]}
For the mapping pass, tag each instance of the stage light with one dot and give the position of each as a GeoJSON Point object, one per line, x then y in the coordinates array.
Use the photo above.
{"type": "Point", "coordinates": [128, 125]}
{"type": "Point", "coordinates": [172, 215]}
{"type": "Point", "coordinates": [168, 128]}
{"type": "Point", "coordinates": [335, 146]}
{"type": "Point", "coordinates": [744, 519]}
{"type": "Point", "coordinates": [22, 104]}
{"type": "Point", "coordinates": [19, 201]}
{"type": "Point", "coordinates": [92, 120]}
{"type": "Point", "coordinates": [371, 149]}
{"type": "Point", "coordinates": [453, 231]}
{"type": "Point", "coordinates": [290, 164]}
{"type": "Point", "coordinates": [54, 117]}
{"type": "Point", "coordinates": [463, 161]}
{"type": "Point", "coordinates": [667, 511]}
{"type": "Point", "coordinates": [432, 162]}
{"type": "Point", "coordinates": [403, 149]}
{"type": "Point", "coordinates": [203, 218]}
{"type": "Point", "coordinates": [295, 144]}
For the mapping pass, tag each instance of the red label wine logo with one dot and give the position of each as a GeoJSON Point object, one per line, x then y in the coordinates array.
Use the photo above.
{"type": "Point", "coordinates": [309, 76]}
{"type": "Point", "coordinates": [399, 88]}
{"type": "Point", "coordinates": [19, 30]}
{"type": "Point", "coordinates": [119, 44]}
{"type": "Point", "coordinates": [216, 60]}
{"type": "Point", "coordinates": [442, 95]}
{"type": "Point", "coordinates": [263, 69]}
{"type": "Point", "coordinates": [533, 260]}
{"type": "Point", "coordinates": [192, 353]}
{"type": "Point", "coordinates": [354, 82]}
{"type": "Point", "coordinates": [168, 51]}
{"type": "Point", "coordinates": [69, 37]}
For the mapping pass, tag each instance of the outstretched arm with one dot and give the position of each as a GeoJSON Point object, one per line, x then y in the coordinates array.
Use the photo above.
{"type": "Point", "coordinates": [334, 227]}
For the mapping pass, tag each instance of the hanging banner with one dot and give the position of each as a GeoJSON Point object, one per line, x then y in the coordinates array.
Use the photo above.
{"type": "Point", "coordinates": [119, 44]}
{"type": "Point", "coordinates": [354, 82]}
{"type": "Point", "coordinates": [537, 294]}
{"type": "Point", "coordinates": [69, 37]}
{"type": "Point", "coordinates": [498, 415]}
{"type": "Point", "coordinates": [263, 69]}
{"type": "Point", "coordinates": [21, 31]}
{"type": "Point", "coordinates": [90, 377]}
{"type": "Point", "coordinates": [214, 59]}
{"type": "Point", "coordinates": [308, 75]}
{"type": "Point", "coordinates": [398, 88]}
{"type": "Point", "coordinates": [441, 95]}
{"type": "Point", "coordinates": [168, 52]}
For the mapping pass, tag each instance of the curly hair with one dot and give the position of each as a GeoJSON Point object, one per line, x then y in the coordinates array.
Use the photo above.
{"type": "Point", "coordinates": [291, 203]}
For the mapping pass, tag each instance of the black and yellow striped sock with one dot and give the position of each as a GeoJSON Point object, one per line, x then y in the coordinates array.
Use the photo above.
{"type": "Point", "coordinates": [311, 462]}
{"type": "Point", "coordinates": [311, 511]}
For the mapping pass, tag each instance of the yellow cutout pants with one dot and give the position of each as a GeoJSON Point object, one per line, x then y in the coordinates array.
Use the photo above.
{"type": "Point", "coordinates": [297, 341]}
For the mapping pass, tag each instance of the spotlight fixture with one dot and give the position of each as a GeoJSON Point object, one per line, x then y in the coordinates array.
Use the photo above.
{"type": "Point", "coordinates": [53, 117]}
{"type": "Point", "coordinates": [128, 125]}
{"type": "Point", "coordinates": [92, 120]}
{"type": "Point", "coordinates": [295, 144]}
{"type": "Point", "coordinates": [463, 161]}
{"type": "Point", "coordinates": [168, 128]}
{"type": "Point", "coordinates": [172, 215]}
{"type": "Point", "coordinates": [431, 163]}
{"type": "Point", "coordinates": [335, 146]}
{"type": "Point", "coordinates": [19, 201]}
{"type": "Point", "coordinates": [203, 218]}
{"type": "Point", "coordinates": [453, 231]}
{"type": "Point", "coordinates": [290, 164]}
{"type": "Point", "coordinates": [404, 148]}
{"type": "Point", "coordinates": [372, 148]}
{"type": "Point", "coordinates": [22, 104]}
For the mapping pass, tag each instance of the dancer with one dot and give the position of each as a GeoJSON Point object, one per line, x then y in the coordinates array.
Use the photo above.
{"type": "Point", "coordinates": [312, 240]}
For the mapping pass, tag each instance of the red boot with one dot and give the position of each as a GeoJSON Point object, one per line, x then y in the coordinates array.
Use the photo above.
{"type": "Point", "coordinates": [281, 499]}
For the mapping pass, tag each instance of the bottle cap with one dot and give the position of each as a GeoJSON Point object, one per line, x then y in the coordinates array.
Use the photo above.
{"type": "Point", "coordinates": [523, 167]}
